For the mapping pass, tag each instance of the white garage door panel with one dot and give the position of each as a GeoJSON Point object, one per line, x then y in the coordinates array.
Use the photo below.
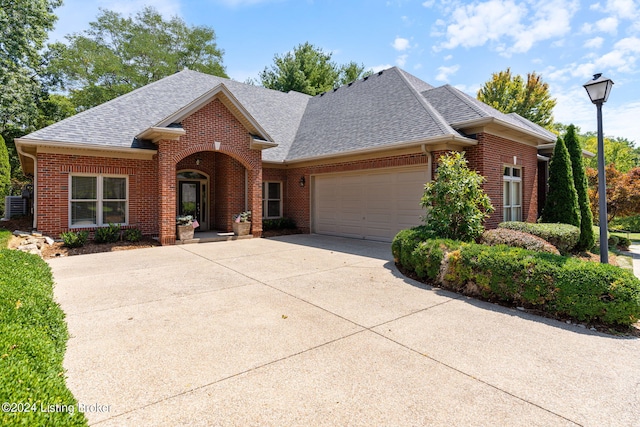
{"type": "Point", "coordinates": [369, 205]}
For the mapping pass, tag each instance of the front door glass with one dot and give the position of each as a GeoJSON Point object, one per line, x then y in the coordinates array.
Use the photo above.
{"type": "Point", "coordinates": [190, 199]}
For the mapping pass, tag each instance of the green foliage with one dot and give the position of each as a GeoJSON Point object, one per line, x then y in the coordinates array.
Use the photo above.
{"type": "Point", "coordinates": [510, 94]}
{"type": "Point", "coordinates": [109, 234]}
{"type": "Point", "coordinates": [565, 287]}
{"type": "Point", "coordinates": [33, 338]}
{"type": "Point", "coordinates": [562, 236]}
{"type": "Point", "coordinates": [562, 200]}
{"type": "Point", "coordinates": [618, 151]}
{"type": "Point", "coordinates": [623, 243]}
{"type": "Point", "coordinates": [278, 224]}
{"type": "Point", "coordinates": [308, 69]}
{"type": "Point", "coordinates": [613, 241]}
{"type": "Point", "coordinates": [587, 239]}
{"type": "Point", "coordinates": [517, 239]}
{"type": "Point", "coordinates": [455, 202]}
{"type": "Point", "coordinates": [132, 234]}
{"type": "Point", "coordinates": [74, 239]}
{"type": "Point", "coordinates": [5, 173]}
{"type": "Point", "coordinates": [118, 54]}
{"type": "Point", "coordinates": [24, 25]}
{"type": "Point", "coordinates": [628, 223]}
{"type": "Point", "coordinates": [5, 236]}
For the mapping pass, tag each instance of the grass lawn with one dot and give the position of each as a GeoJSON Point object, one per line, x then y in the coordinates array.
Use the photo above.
{"type": "Point", "coordinates": [33, 338]}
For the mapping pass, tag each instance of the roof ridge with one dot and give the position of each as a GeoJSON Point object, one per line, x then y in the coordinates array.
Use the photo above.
{"type": "Point", "coordinates": [442, 123]}
{"type": "Point", "coordinates": [466, 99]}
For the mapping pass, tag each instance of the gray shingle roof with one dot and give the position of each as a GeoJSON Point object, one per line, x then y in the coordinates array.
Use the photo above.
{"type": "Point", "coordinates": [388, 107]}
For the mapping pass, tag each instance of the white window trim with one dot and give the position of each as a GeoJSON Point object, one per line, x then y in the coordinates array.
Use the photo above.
{"type": "Point", "coordinates": [99, 200]}
{"type": "Point", "coordinates": [511, 180]}
{"type": "Point", "coordinates": [265, 201]}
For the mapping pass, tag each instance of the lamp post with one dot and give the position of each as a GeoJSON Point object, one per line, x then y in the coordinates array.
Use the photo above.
{"type": "Point", "coordinates": [598, 89]}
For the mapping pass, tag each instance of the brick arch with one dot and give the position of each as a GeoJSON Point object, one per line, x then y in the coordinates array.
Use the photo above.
{"type": "Point", "coordinates": [209, 147]}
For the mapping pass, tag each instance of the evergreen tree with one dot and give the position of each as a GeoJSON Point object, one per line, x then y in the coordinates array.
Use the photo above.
{"type": "Point", "coordinates": [587, 238]}
{"type": "Point", "coordinates": [562, 200]}
{"type": "Point", "coordinates": [5, 172]}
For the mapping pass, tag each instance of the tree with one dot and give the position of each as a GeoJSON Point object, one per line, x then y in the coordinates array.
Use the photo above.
{"type": "Point", "coordinates": [587, 238]}
{"type": "Point", "coordinates": [619, 151]}
{"type": "Point", "coordinates": [118, 54]}
{"type": "Point", "coordinates": [510, 94]}
{"type": "Point", "coordinates": [623, 192]}
{"type": "Point", "coordinates": [455, 202]}
{"type": "Point", "coordinates": [562, 200]}
{"type": "Point", "coordinates": [308, 69]}
{"type": "Point", "coordinates": [5, 172]}
{"type": "Point", "coordinates": [23, 30]}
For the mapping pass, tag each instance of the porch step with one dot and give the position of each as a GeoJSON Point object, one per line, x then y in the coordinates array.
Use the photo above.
{"type": "Point", "coordinates": [212, 236]}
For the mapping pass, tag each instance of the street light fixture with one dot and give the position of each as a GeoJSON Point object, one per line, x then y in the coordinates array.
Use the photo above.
{"type": "Point", "coordinates": [598, 89]}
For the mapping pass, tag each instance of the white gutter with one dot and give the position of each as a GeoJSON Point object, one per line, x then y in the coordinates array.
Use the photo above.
{"type": "Point", "coordinates": [453, 139]}
{"type": "Point", "coordinates": [35, 184]}
{"type": "Point", "coordinates": [81, 146]}
{"type": "Point", "coordinates": [488, 120]}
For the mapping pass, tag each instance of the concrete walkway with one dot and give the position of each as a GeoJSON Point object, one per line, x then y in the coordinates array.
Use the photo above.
{"type": "Point", "coordinates": [635, 254]}
{"type": "Point", "coordinates": [320, 331]}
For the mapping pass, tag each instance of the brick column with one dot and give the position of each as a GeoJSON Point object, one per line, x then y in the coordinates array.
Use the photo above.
{"type": "Point", "coordinates": [166, 194]}
{"type": "Point", "coordinates": [255, 200]}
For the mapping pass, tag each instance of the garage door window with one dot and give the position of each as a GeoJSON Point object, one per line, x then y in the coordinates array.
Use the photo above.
{"type": "Point", "coordinates": [512, 194]}
{"type": "Point", "coordinates": [272, 199]}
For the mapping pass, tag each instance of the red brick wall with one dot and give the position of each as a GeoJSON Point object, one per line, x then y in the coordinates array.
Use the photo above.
{"type": "Point", "coordinates": [53, 189]}
{"type": "Point", "coordinates": [489, 157]}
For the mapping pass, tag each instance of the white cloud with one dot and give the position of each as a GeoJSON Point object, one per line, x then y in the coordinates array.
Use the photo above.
{"type": "Point", "coordinates": [400, 44]}
{"type": "Point", "coordinates": [377, 68]}
{"type": "Point", "coordinates": [607, 25]}
{"type": "Point", "coordinates": [445, 72]}
{"type": "Point", "coordinates": [594, 43]}
{"type": "Point", "coordinates": [448, 58]}
{"type": "Point", "coordinates": [402, 60]}
{"type": "Point", "coordinates": [428, 3]}
{"type": "Point", "coordinates": [625, 9]}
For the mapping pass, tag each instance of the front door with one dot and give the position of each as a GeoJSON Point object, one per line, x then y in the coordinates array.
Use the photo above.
{"type": "Point", "coordinates": [189, 200]}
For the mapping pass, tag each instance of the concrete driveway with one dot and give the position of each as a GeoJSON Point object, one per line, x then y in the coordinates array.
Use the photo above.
{"type": "Point", "coordinates": [313, 330]}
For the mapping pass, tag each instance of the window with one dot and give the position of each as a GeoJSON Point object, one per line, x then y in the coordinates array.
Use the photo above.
{"type": "Point", "coordinates": [97, 200]}
{"type": "Point", "coordinates": [271, 199]}
{"type": "Point", "coordinates": [512, 194]}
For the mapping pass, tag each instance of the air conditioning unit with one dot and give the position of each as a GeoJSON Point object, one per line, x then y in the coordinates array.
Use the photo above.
{"type": "Point", "coordinates": [14, 206]}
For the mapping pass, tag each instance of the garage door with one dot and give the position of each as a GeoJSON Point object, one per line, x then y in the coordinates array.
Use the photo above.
{"type": "Point", "coordinates": [368, 205]}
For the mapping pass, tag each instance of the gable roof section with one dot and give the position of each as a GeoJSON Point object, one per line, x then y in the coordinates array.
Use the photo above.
{"type": "Point", "coordinates": [463, 111]}
{"type": "Point", "coordinates": [377, 111]}
{"type": "Point", "coordinates": [116, 123]}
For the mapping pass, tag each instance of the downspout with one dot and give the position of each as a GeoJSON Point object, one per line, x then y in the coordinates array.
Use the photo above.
{"type": "Point", "coordinates": [35, 185]}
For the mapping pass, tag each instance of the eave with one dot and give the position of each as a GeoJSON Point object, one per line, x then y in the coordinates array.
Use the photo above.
{"type": "Point", "coordinates": [503, 129]}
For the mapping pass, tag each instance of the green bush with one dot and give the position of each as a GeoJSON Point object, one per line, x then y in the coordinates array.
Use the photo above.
{"type": "Point", "coordinates": [562, 236]}
{"type": "Point", "coordinates": [456, 205]}
{"type": "Point", "coordinates": [562, 286]}
{"type": "Point", "coordinates": [109, 234]}
{"type": "Point", "coordinates": [613, 241]}
{"type": "Point", "coordinates": [74, 239]}
{"type": "Point", "coordinates": [406, 241]}
{"type": "Point", "coordinates": [623, 243]}
{"type": "Point", "coordinates": [562, 200]}
{"type": "Point", "coordinates": [132, 234]}
{"type": "Point", "coordinates": [628, 223]}
{"type": "Point", "coordinates": [278, 224]}
{"type": "Point", "coordinates": [518, 239]}
{"type": "Point", "coordinates": [33, 337]}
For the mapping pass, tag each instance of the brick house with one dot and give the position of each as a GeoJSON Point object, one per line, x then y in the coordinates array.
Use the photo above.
{"type": "Point", "coordinates": [349, 162]}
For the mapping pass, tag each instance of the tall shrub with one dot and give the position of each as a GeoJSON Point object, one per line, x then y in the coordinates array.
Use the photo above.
{"type": "Point", "coordinates": [587, 238]}
{"type": "Point", "coordinates": [455, 202]}
{"type": "Point", "coordinates": [562, 200]}
{"type": "Point", "coordinates": [5, 173]}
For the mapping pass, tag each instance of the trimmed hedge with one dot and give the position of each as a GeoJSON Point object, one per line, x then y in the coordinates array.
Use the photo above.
{"type": "Point", "coordinates": [33, 337]}
{"type": "Point", "coordinates": [518, 239]}
{"type": "Point", "coordinates": [283, 223]}
{"type": "Point", "coordinates": [562, 236]}
{"type": "Point", "coordinates": [582, 290]}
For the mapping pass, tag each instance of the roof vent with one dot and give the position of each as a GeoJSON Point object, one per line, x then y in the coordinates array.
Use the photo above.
{"type": "Point", "coordinates": [380, 72]}
{"type": "Point", "coordinates": [350, 84]}
{"type": "Point", "coordinates": [365, 79]}
{"type": "Point", "coordinates": [335, 89]}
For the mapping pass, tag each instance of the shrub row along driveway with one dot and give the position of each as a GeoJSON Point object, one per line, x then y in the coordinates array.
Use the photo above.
{"type": "Point", "coordinates": [313, 330]}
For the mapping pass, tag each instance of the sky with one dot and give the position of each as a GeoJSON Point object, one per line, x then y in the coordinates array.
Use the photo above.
{"type": "Point", "coordinates": [461, 43]}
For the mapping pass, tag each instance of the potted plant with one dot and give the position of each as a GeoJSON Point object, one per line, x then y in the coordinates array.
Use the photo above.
{"type": "Point", "coordinates": [184, 227]}
{"type": "Point", "coordinates": [242, 223]}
